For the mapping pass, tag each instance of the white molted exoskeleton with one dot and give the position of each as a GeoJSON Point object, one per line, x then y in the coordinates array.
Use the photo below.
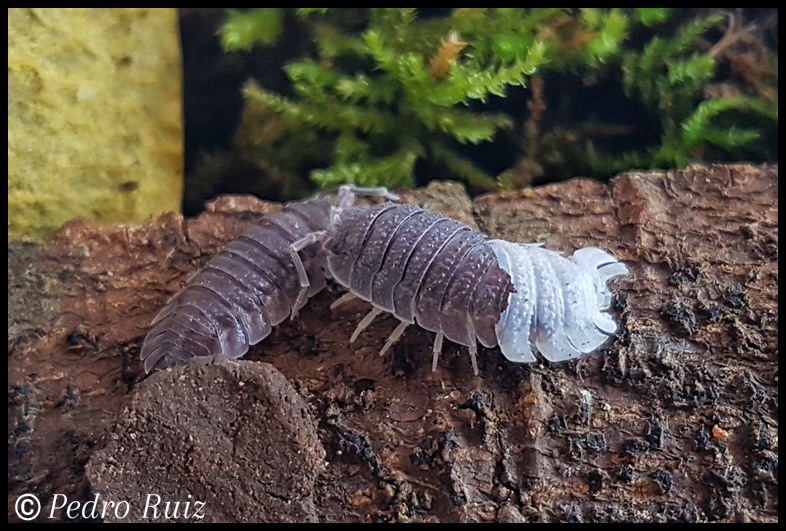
{"type": "Point", "coordinates": [559, 303]}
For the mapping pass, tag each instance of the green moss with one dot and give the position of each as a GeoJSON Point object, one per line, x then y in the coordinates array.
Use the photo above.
{"type": "Point", "coordinates": [673, 75]}
{"type": "Point", "coordinates": [387, 95]}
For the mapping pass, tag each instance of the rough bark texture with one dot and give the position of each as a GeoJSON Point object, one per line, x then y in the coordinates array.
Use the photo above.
{"type": "Point", "coordinates": [675, 420]}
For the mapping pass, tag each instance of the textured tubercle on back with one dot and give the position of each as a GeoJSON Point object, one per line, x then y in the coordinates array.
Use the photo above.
{"type": "Point", "coordinates": [560, 304]}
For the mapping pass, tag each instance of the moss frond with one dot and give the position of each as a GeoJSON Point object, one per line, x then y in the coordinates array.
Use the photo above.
{"type": "Point", "coordinates": [394, 91]}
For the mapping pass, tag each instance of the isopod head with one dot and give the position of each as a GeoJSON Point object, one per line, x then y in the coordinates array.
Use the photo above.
{"type": "Point", "coordinates": [559, 305]}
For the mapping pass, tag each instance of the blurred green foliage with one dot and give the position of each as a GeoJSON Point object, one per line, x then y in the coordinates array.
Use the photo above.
{"type": "Point", "coordinates": [388, 93]}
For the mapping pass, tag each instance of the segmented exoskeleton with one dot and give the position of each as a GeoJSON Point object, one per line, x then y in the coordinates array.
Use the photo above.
{"type": "Point", "coordinates": [241, 293]}
{"type": "Point", "coordinates": [424, 267]}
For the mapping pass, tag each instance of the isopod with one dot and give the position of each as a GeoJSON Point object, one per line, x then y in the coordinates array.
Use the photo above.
{"type": "Point", "coordinates": [241, 293]}
{"type": "Point", "coordinates": [424, 267]}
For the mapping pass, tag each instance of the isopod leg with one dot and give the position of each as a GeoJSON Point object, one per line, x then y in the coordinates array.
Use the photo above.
{"type": "Point", "coordinates": [346, 297]}
{"type": "Point", "coordinates": [355, 190]}
{"type": "Point", "coordinates": [294, 248]}
{"type": "Point", "coordinates": [473, 354]}
{"type": "Point", "coordinates": [473, 348]}
{"type": "Point", "coordinates": [394, 337]}
{"type": "Point", "coordinates": [363, 324]}
{"type": "Point", "coordinates": [437, 350]}
{"type": "Point", "coordinates": [346, 198]}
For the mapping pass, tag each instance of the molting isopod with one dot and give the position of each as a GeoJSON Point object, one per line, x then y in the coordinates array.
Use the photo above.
{"type": "Point", "coordinates": [424, 267]}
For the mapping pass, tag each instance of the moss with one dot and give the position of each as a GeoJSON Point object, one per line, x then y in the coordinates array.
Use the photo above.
{"type": "Point", "coordinates": [395, 97]}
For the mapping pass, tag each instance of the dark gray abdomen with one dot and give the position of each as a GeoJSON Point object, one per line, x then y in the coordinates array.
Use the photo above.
{"type": "Point", "coordinates": [421, 266]}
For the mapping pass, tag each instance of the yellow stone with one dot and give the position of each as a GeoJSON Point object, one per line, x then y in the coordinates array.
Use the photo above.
{"type": "Point", "coordinates": [94, 116]}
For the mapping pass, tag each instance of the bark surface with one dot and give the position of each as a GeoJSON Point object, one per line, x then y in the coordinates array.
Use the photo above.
{"type": "Point", "coordinates": [676, 419]}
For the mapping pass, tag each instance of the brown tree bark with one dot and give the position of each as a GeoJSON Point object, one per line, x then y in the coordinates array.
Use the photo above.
{"type": "Point", "coordinates": [674, 420]}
